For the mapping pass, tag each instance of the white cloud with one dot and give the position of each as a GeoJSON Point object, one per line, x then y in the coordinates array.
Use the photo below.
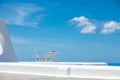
{"type": "Point", "coordinates": [84, 23]}
{"type": "Point", "coordinates": [110, 27]}
{"type": "Point", "coordinates": [96, 45]}
{"type": "Point", "coordinates": [21, 40]}
{"type": "Point", "coordinates": [21, 14]}
{"type": "Point", "coordinates": [31, 42]}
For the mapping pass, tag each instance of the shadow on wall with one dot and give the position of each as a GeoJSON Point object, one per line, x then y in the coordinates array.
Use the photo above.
{"type": "Point", "coordinates": [6, 49]}
{"type": "Point", "coordinates": [1, 48]}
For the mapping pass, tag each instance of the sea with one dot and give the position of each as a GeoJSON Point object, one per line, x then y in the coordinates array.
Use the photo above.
{"type": "Point", "coordinates": [113, 64]}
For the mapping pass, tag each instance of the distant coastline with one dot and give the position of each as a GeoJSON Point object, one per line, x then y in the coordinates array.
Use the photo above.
{"type": "Point", "coordinates": [108, 63]}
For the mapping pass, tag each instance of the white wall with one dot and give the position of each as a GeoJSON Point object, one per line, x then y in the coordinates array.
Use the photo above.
{"type": "Point", "coordinates": [96, 71]}
{"type": "Point", "coordinates": [6, 49]}
{"type": "Point", "coordinates": [106, 72]}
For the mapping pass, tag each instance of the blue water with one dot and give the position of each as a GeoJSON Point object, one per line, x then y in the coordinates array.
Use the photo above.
{"type": "Point", "coordinates": [114, 64]}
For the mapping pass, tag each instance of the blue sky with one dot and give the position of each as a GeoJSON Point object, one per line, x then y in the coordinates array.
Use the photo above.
{"type": "Point", "coordinates": [79, 30]}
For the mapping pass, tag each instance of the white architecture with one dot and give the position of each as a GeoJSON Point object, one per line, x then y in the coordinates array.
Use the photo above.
{"type": "Point", "coordinates": [61, 70]}
{"type": "Point", "coordinates": [6, 49]}
{"type": "Point", "coordinates": [57, 70]}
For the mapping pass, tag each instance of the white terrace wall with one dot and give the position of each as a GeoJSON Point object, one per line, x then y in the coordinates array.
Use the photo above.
{"type": "Point", "coordinates": [6, 50]}
{"type": "Point", "coordinates": [106, 72]}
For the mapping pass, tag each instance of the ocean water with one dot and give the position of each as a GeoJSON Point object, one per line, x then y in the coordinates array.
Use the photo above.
{"type": "Point", "coordinates": [113, 64]}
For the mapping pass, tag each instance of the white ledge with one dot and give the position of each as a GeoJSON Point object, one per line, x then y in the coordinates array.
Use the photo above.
{"type": "Point", "coordinates": [62, 70]}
